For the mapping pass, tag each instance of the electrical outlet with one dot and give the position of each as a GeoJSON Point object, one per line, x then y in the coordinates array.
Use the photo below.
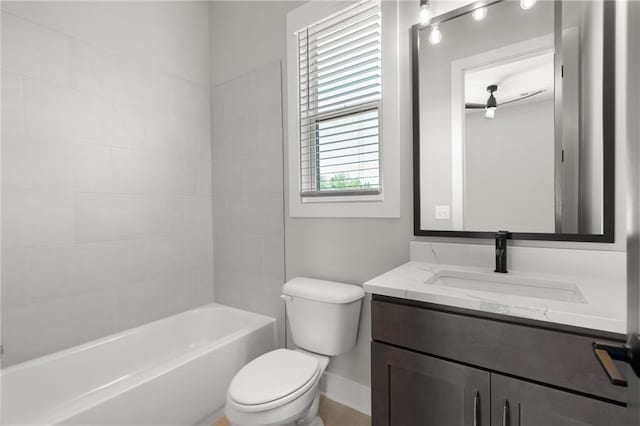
{"type": "Point", "coordinates": [442, 212]}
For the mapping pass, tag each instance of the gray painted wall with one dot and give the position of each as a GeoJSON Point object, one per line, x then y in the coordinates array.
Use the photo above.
{"type": "Point", "coordinates": [518, 194]}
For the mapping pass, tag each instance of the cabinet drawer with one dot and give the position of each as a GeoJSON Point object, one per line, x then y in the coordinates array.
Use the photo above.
{"type": "Point", "coordinates": [557, 358]}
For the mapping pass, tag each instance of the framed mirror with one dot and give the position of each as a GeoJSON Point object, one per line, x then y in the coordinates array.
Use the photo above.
{"type": "Point", "coordinates": [513, 121]}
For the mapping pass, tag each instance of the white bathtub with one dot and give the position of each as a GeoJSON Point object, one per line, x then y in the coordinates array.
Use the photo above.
{"type": "Point", "coordinates": [174, 371]}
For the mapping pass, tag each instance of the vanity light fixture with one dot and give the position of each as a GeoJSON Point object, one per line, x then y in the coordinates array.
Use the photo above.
{"type": "Point", "coordinates": [435, 36]}
{"type": "Point", "coordinates": [527, 4]}
{"type": "Point", "coordinates": [492, 104]}
{"type": "Point", "coordinates": [425, 13]}
{"type": "Point", "coordinates": [479, 14]}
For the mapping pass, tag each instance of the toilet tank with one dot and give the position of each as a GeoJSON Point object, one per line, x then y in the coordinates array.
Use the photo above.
{"type": "Point", "coordinates": [323, 315]}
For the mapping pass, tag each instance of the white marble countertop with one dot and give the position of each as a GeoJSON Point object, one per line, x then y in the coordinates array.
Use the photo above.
{"type": "Point", "coordinates": [601, 310]}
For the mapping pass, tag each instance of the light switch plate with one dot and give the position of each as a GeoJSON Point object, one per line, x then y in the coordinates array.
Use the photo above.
{"type": "Point", "coordinates": [442, 212]}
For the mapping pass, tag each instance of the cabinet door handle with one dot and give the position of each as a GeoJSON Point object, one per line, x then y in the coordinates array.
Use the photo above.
{"type": "Point", "coordinates": [476, 398]}
{"type": "Point", "coordinates": [505, 412]}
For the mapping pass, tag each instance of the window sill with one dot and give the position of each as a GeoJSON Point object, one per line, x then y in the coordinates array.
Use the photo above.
{"type": "Point", "coordinates": [367, 206]}
{"type": "Point", "coordinates": [342, 199]}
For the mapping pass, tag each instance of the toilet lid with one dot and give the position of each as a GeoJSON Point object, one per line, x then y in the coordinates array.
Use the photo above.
{"type": "Point", "coordinates": [272, 376]}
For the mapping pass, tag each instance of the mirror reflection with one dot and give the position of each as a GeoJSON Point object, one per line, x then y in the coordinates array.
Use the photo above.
{"type": "Point", "coordinates": [511, 119]}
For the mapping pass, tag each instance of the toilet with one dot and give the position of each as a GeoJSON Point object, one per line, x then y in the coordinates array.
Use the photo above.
{"type": "Point", "coordinates": [281, 386]}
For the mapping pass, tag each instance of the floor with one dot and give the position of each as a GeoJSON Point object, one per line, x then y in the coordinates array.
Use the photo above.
{"type": "Point", "coordinates": [332, 414]}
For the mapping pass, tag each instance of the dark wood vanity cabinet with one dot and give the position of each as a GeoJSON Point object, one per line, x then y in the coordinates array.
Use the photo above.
{"type": "Point", "coordinates": [417, 389]}
{"type": "Point", "coordinates": [434, 366]}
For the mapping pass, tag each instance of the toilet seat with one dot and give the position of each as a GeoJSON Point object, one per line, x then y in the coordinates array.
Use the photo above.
{"type": "Point", "coordinates": [273, 380]}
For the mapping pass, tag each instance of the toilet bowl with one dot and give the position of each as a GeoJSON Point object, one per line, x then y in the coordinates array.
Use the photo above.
{"type": "Point", "coordinates": [281, 386]}
{"type": "Point", "coordinates": [277, 388]}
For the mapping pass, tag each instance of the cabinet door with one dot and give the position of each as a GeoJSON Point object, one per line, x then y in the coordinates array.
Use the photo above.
{"type": "Point", "coordinates": [518, 403]}
{"type": "Point", "coordinates": [409, 388]}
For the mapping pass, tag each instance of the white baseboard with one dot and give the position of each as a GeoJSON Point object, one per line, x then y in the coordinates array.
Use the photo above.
{"type": "Point", "coordinates": [346, 392]}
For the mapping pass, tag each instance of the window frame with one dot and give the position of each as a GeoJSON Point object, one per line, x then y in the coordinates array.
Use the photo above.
{"type": "Point", "coordinates": [385, 202]}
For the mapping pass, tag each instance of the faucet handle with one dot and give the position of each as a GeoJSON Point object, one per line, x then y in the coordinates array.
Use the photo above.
{"type": "Point", "coordinates": [502, 234]}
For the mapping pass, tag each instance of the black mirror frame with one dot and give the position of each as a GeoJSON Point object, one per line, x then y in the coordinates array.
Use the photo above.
{"type": "Point", "coordinates": [608, 130]}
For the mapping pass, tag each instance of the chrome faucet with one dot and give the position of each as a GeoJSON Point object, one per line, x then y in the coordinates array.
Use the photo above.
{"type": "Point", "coordinates": [501, 252]}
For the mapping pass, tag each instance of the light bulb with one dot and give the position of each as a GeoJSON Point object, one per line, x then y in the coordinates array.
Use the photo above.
{"type": "Point", "coordinates": [527, 4]}
{"type": "Point", "coordinates": [425, 13]}
{"type": "Point", "coordinates": [479, 14]}
{"type": "Point", "coordinates": [435, 36]}
{"type": "Point", "coordinates": [490, 112]}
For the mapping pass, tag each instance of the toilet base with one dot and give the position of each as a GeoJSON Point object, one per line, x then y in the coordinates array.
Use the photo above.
{"type": "Point", "coordinates": [311, 417]}
{"type": "Point", "coordinates": [317, 422]}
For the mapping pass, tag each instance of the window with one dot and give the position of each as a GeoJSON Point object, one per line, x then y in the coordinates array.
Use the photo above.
{"type": "Point", "coordinates": [339, 95]}
{"type": "Point", "coordinates": [343, 140]}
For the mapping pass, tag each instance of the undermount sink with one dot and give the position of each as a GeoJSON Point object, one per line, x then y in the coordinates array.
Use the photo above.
{"type": "Point", "coordinates": [513, 285]}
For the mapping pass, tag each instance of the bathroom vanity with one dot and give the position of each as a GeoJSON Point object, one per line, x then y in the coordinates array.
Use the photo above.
{"type": "Point", "coordinates": [461, 345]}
{"type": "Point", "coordinates": [438, 365]}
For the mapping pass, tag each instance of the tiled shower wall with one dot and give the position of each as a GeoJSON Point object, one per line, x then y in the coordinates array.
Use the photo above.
{"type": "Point", "coordinates": [106, 192]}
{"type": "Point", "coordinates": [248, 213]}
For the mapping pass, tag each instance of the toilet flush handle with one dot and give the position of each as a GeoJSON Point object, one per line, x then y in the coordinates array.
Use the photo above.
{"type": "Point", "coordinates": [286, 297]}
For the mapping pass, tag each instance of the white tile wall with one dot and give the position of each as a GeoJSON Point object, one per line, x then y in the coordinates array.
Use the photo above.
{"type": "Point", "coordinates": [56, 110]}
{"type": "Point", "coordinates": [203, 176]}
{"type": "Point", "coordinates": [247, 189]}
{"type": "Point", "coordinates": [106, 192]}
{"type": "Point", "coordinates": [127, 127]}
{"type": "Point", "coordinates": [91, 168]}
{"type": "Point", "coordinates": [118, 78]}
{"type": "Point", "coordinates": [37, 162]}
{"type": "Point", "coordinates": [138, 172]}
{"type": "Point", "coordinates": [33, 218]}
{"type": "Point", "coordinates": [35, 329]}
{"type": "Point", "coordinates": [34, 51]}
{"type": "Point", "coordinates": [12, 104]}
{"type": "Point", "coordinates": [190, 99]}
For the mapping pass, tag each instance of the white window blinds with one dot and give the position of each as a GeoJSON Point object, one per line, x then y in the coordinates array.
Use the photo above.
{"type": "Point", "coordinates": [340, 87]}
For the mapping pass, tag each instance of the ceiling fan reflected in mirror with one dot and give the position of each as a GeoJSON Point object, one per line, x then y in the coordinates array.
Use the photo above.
{"type": "Point", "coordinates": [492, 104]}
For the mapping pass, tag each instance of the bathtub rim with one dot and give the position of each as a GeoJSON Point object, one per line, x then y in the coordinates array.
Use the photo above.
{"type": "Point", "coordinates": [119, 334]}
{"type": "Point", "coordinates": [95, 397]}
